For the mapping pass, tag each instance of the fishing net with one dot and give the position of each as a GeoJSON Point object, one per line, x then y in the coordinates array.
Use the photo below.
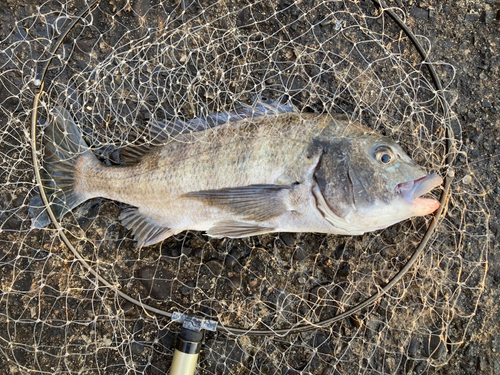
{"type": "Point", "coordinates": [131, 63]}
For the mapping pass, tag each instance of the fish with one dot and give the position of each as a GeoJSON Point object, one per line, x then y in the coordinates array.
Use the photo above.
{"type": "Point", "coordinates": [260, 169]}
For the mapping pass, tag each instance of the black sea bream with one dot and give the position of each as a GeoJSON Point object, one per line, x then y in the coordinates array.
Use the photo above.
{"type": "Point", "coordinates": [253, 171]}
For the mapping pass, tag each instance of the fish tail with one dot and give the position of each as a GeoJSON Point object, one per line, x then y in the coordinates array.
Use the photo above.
{"type": "Point", "coordinates": [64, 150]}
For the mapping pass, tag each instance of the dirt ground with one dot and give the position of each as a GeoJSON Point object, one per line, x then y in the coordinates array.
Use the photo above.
{"type": "Point", "coordinates": [466, 35]}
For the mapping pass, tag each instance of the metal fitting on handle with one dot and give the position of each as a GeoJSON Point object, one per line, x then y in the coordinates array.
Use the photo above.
{"type": "Point", "coordinates": [186, 352]}
{"type": "Point", "coordinates": [189, 343]}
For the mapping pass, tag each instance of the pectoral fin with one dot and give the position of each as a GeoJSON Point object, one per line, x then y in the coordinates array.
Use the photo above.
{"type": "Point", "coordinates": [237, 229]}
{"type": "Point", "coordinates": [253, 203]}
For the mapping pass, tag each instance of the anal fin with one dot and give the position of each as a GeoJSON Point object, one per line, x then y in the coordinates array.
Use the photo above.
{"type": "Point", "coordinates": [237, 229]}
{"type": "Point", "coordinates": [144, 229]}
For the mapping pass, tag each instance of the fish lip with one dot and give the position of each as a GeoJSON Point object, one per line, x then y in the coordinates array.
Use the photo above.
{"type": "Point", "coordinates": [412, 189]}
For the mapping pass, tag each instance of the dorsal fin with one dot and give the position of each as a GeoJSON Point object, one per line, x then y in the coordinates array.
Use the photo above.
{"type": "Point", "coordinates": [157, 133]}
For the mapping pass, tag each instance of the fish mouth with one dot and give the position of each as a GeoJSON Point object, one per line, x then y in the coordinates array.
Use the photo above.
{"type": "Point", "coordinates": [411, 192]}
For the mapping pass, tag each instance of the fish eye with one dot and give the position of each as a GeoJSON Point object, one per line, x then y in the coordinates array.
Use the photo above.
{"type": "Point", "coordinates": [385, 158]}
{"type": "Point", "coordinates": [384, 155]}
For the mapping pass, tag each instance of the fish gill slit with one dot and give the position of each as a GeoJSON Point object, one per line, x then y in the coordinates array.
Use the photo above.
{"type": "Point", "coordinates": [351, 186]}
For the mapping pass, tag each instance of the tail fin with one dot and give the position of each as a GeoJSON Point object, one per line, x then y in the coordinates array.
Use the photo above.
{"type": "Point", "coordinates": [64, 145]}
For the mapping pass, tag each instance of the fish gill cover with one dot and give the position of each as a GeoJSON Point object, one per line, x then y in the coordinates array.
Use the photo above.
{"type": "Point", "coordinates": [127, 65]}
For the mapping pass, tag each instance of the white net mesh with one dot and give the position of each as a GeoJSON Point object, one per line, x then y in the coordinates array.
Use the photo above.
{"type": "Point", "coordinates": [131, 62]}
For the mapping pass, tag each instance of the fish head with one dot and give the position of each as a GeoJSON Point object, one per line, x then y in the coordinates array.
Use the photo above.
{"type": "Point", "coordinates": [380, 184]}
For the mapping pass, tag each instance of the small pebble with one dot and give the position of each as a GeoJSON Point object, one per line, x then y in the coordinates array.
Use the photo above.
{"type": "Point", "coordinates": [489, 17]}
{"type": "Point", "coordinates": [198, 252]}
{"type": "Point", "coordinates": [186, 251]}
{"type": "Point", "coordinates": [344, 270]}
{"type": "Point", "coordinates": [288, 239]}
{"type": "Point", "coordinates": [157, 281]}
{"type": "Point", "coordinates": [230, 261]}
{"type": "Point", "coordinates": [167, 338]}
{"type": "Point", "coordinates": [235, 282]}
{"type": "Point", "coordinates": [136, 347]}
{"type": "Point", "coordinates": [137, 344]}
{"type": "Point", "coordinates": [419, 13]}
{"type": "Point", "coordinates": [252, 283]}
{"type": "Point", "coordinates": [471, 17]}
{"type": "Point", "coordinates": [467, 180]}
{"type": "Point", "coordinates": [300, 253]}
{"type": "Point", "coordinates": [434, 346]}
{"type": "Point", "coordinates": [187, 289]}
{"type": "Point", "coordinates": [482, 364]}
